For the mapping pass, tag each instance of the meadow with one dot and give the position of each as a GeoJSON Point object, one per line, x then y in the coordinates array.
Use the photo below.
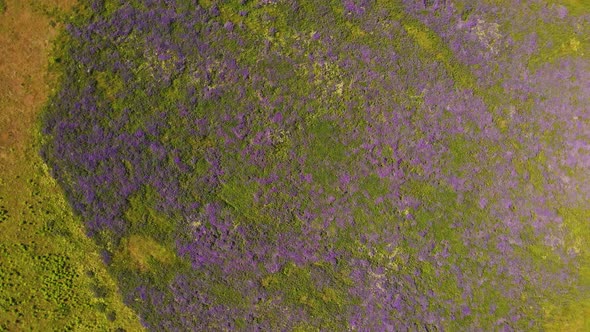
{"type": "Point", "coordinates": [284, 165]}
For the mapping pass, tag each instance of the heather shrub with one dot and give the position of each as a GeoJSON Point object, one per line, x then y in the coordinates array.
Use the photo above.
{"type": "Point", "coordinates": [333, 165]}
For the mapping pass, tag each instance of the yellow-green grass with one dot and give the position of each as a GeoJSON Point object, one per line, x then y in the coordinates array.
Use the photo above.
{"type": "Point", "coordinates": [51, 275]}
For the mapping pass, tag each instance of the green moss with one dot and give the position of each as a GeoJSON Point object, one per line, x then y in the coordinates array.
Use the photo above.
{"type": "Point", "coordinates": [143, 217]}
{"type": "Point", "coordinates": [567, 316]}
{"type": "Point", "coordinates": [369, 222]}
{"type": "Point", "coordinates": [462, 151]}
{"type": "Point", "coordinates": [239, 195]}
{"type": "Point", "coordinates": [323, 152]}
{"type": "Point", "coordinates": [576, 221]}
{"type": "Point", "coordinates": [110, 83]}
{"type": "Point", "coordinates": [296, 286]}
{"type": "Point", "coordinates": [569, 313]}
{"type": "Point", "coordinates": [143, 253]}
{"type": "Point", "coordinates": [532, 168]}
{"type": "Point", "coordinates": [433, 46]}
{"type": "Point", "coordinates": [375, 186]}
{"type": "Point", "coordinates": [555, 40]}
{"type": "Point", "coordinates": [227, 295]}
{"type": "Point", "coordinates": [557, 43]}
{"type": "Point", "coordinates": [262, 19]}
{"type": "Point", "coordinates": [241, 323]}
{"type": "Point", "coordinates": [574, 7]}
{"type": "Point", "coordinates": [442, 215]}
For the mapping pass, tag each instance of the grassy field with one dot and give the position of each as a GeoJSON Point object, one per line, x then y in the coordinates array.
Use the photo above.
{"type": "Point", "coordinates": [51, 274]}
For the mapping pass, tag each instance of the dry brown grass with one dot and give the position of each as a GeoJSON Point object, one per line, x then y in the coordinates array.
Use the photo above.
{"type": "Point", "coordinates": [33, 200]}
{"type": "Point", "coordinates": [25, 43]}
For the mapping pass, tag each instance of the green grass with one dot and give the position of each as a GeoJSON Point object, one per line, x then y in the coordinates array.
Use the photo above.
{"type": "Point", "coordinates": [574, 7]}
{"type": "Point", "coordinates": [296, 286]}
{"type": "Point", "coordinates": [51, 275]}
{"type": "Point", "coordinates": [54, 277]}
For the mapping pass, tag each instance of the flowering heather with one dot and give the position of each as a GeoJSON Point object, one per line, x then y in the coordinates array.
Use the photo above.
{"type": "Point", "coordinates": [361, 165]}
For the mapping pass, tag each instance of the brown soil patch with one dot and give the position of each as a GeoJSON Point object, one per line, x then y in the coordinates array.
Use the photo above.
{"type": "Point", "coordinates": [35, 219]}
{"type": "Point", "coordinates": [25, 43]}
